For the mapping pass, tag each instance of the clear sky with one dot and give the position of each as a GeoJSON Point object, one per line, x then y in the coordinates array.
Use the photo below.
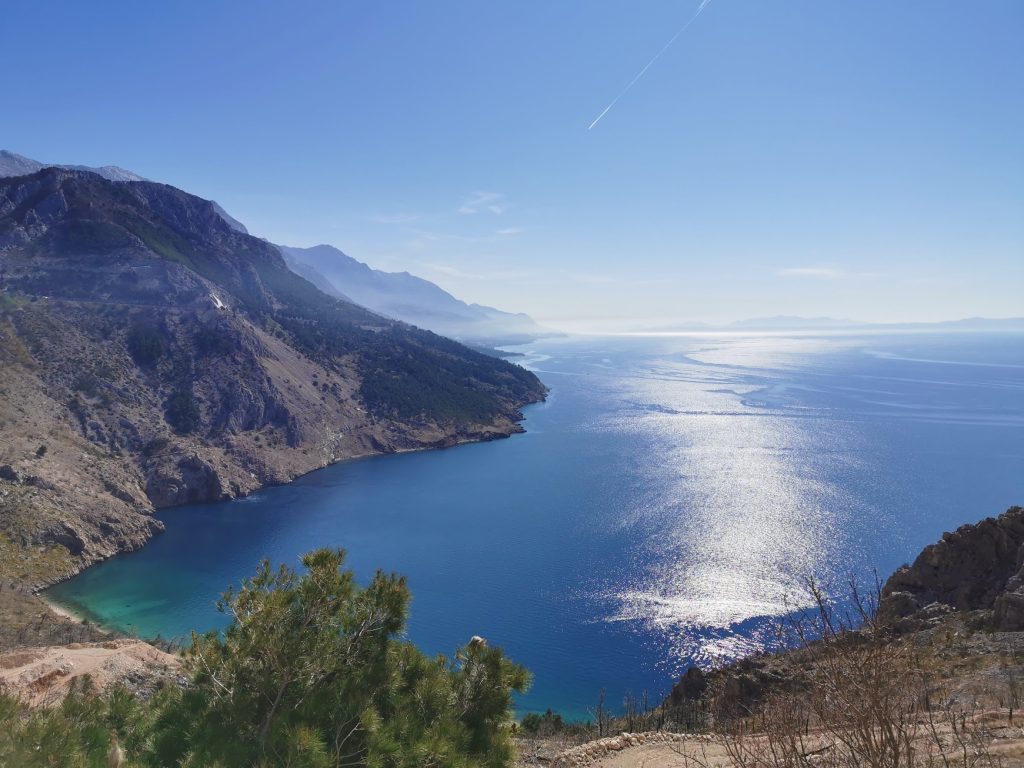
{"type": "Point", "coordinates": [860, 159]}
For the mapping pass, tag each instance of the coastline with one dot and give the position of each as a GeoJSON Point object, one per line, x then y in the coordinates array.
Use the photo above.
{"type": "Point", "coordinates": [62, 610]}
{"type": "Point", "coordinates": [39, 589]}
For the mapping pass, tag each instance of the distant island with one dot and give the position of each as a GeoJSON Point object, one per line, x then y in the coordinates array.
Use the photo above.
{"type": "Point", "coordinates": [795, 323]}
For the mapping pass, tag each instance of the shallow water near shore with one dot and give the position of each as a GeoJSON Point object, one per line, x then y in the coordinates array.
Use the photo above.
{"type": "Point", "coordinates": [671, 494]}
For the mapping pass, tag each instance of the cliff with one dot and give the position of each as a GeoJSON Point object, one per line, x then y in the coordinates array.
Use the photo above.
{"type": "Point", "coordinates": [978, 567]}
{"type": "Point", "coordinates": [153, 355]}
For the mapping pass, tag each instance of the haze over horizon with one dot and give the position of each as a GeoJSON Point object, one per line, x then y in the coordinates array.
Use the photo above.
{"type": "Point", "coordinates": [779, 158]}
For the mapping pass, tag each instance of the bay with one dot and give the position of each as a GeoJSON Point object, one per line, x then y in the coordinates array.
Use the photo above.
{"type": "Point", "coordinates": [664, 504]}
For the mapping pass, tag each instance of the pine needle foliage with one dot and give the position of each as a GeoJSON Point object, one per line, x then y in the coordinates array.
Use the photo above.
{"type": "Point", "coordinates": [311, 672]}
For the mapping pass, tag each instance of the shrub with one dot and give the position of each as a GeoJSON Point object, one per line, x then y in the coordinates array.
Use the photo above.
{"type": "Point", "coordinates": [86, 383]}
{"type": "Point", "coordinates": [155, 446]}
{"type": "Point", "coordinates": [145, 343]}
{"type": "Point", "coordinates": [547, 724]}
{"type": "Point", "coordinates": [183, 412]}
{"type": "Point", "coordinates": [309, 673]}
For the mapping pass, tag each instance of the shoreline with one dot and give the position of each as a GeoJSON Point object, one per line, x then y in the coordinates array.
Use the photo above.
{"type": "Point", "coordinates": [39, 589]}
{"type": "Point", "coordinates": [78, 617]}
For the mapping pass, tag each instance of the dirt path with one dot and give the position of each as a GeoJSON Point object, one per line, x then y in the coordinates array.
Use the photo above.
{"type": "Point", "coordinates": [681, 755]}
{"type": "Point", "coordinates": [43, 676]}
{"type": "Point", "coordinates": [646, 750]}
{"type": "Point", "coordinates": [998, 742]}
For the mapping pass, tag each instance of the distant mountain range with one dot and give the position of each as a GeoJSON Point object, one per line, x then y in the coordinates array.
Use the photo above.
{"type": "Point", "coordinates": [795, 323]}
{"type": "Point", "coordinates": [412, 299]}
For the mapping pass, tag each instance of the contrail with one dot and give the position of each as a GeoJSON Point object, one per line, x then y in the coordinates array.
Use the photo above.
{"type": "Point", "coordinates": [704, 4]}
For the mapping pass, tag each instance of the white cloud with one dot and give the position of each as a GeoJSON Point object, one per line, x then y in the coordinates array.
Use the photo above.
{"type": "Point", "coordinates": [509, 231]}
{"type": "Point", "coordinates": [450, 271]}
{"type": "Point", "coordinates": [483, 201]}
{"type": "Point", "coordinates": [826, 273]}
{"type": "Point", "coordinates": [590, 279]}
{"type": "Point", "coordinates": [396, 218]}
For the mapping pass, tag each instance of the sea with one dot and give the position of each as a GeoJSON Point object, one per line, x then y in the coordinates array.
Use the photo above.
{"type": "Point", "coordinates": [665, 506]}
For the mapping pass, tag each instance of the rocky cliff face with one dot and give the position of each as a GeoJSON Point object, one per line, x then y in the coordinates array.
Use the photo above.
{"type": "Point", "coordinates": [978, 567]}
{"type": "Point", "coordinates": [152, 355]}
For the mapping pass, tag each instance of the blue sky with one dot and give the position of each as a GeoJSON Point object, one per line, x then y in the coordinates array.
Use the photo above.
{"type": "Point", "coordinates": [853, 159]}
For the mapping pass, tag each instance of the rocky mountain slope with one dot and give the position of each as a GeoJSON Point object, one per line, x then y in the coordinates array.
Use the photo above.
{"type": "Point", "coordinates": [151, 354]}
{"type": "Point", "coordinates": [13, 164]}
{"type": "Point", "coordinates": [412, 299]}
{"type": "Point", "coordinates": [978, 567]}
{"type": "Point", "coordinates": [397, 295]}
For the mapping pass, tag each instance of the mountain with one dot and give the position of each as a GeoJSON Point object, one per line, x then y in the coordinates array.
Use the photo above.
{"type": "Point", "coordinates": [153, 355]}
{"type": "Point", "coordinates": [825, 324]}
{"type": "Point", "coordinates": [412, 299]}
{"type": "Point", "coordinates": [792, 322]}
{"type": "Point", "coordinates": [12, 164]}
{"type": "Point", "coordinates": [397, 295]}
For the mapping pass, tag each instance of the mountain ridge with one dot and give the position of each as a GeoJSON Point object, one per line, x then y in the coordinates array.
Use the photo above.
{"type": "Point", "coordinates": [413, 299]}
{"type": "Point", "coordinates": [153, 355]}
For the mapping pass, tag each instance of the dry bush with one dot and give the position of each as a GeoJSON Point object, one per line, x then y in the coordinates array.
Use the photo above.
{"type": "Point", "coordinates": [858, 696]}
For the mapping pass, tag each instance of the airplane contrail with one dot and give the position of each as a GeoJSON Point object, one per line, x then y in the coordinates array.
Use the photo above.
{"type": "Point", "coordinates": [704, 4]}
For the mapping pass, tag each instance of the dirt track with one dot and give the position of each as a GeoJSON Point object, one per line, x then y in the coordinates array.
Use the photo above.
{"type": "Point", "coordinates": [43, 676]}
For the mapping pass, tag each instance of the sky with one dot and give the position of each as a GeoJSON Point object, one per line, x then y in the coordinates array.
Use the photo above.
{"type": "Point", "coordinates": [860, 159]}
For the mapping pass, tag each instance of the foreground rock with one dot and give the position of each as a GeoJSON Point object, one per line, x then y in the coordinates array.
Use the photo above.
{"type": "Point", "coordinates": [978, 567]}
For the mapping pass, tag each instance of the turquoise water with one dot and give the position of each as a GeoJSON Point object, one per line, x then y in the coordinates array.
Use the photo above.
{"type": "Point", "coordinates": [670, 495]}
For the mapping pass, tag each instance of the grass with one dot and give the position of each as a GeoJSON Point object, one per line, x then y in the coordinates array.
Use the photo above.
{"type": "Point", "coordinates": [32, 565]}
{"type": "Point", "coordinates": [11, 301]}
{"type": "Point", "coordinates": [13, 347]}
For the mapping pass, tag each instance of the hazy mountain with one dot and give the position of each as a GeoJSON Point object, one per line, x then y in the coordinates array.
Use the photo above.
{"type": "Point", "coordinates": [152, 355]}
{"type": "Point", "coordinates": [975, 324]}
{"type": "Point", "coordinates": [792, 322]}
{"type": "Point", "coordinates": [316, 278]}
{"type": "Point", "coordinates": [234, 223]}
{"type": "Point", "coordinates": [412, 299]}
{"type": "Point", "coordinates": [811, 324]}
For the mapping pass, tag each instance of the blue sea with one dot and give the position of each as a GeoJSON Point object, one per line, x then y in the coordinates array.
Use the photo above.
{"type": "Point", "coordinates": [664, 504]}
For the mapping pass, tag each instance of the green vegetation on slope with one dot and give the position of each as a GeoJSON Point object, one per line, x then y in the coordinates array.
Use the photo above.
{"type": "Point", "coordinates": [309, 673]}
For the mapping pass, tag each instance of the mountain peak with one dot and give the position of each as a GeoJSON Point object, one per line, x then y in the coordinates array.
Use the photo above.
{"type": "Point", "coordinates": [13, 164]}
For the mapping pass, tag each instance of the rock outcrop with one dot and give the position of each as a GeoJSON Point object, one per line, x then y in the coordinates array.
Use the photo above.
{"type": "Point", "coordinates": [978, 567]}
